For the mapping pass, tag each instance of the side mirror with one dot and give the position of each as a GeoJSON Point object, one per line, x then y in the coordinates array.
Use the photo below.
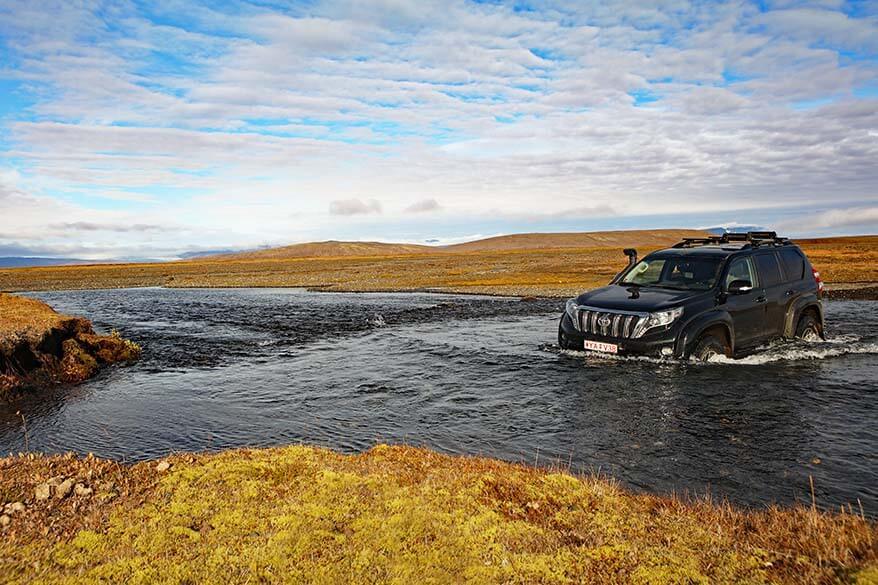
{"type": "Point", "coordinates": [740, 287]}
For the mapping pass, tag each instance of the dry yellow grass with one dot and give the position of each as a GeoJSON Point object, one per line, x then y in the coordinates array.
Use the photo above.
{"type": "Point", "coordinates": [538, 269]}
{"type": "Point", "coordinates": [19, 315]}
{"type": "Point", "coordinates": [852, 260]}
{"type": "Point", "coordinates": [399, 515]}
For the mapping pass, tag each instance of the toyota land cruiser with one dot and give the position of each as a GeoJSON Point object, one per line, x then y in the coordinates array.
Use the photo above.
{"type": "Point", "coordinates": [718, 295]}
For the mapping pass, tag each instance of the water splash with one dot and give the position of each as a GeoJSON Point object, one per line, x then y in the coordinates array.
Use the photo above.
{"type": "Point", "coordinates": [779, 351]}
{"type": "Point", "coordinates": [803, 351]}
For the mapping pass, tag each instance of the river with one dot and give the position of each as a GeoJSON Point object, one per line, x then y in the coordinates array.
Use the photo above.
{"type": "Point", "coordinates": [467, 375]}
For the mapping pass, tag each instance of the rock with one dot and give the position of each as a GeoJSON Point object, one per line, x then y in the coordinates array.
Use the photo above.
{"type": "Point", "coordinates": [14, 508]}
{"type": "Point", "coordinates": [81, 490]}
{"type": "Point", "coordinates": [63, 489]}
{"type": "Point", "coordinates": [43, 491]}
{"type": "Point", "coordinates": [5, 520]}
{"type": "Point", "coordinates": [163, 466]}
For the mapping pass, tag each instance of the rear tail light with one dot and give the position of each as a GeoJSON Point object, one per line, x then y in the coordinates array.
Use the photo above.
{"type": "Point", "coordinates": [818, 280]}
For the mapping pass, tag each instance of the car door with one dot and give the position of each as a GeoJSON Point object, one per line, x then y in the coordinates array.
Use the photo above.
{"type": "Point", "coordinates": [793, 263]}
{"type": "Point", "coordinates": [747, 314]}
{"type": "Point", "coordinates": [774, 297]}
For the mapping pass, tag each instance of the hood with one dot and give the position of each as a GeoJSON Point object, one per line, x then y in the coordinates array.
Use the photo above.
{"type": "Point", "coordinates": [645, 299]}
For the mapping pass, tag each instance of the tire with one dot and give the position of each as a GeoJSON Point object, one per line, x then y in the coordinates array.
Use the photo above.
{"type": "Point", "coordinates": [808, 328]}
{"type": "Point", "coordinates": [709, 346]}
{"type": "Point", "coordinates": [565, 342]}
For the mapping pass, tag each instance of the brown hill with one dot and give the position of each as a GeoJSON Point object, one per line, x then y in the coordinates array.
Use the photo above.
{"type": "Point", "coordinates": [610, 239]}
{"type": "Point", "coordinates": [328, 249]}
{"type": "Point", "coordinates": [536, 241]}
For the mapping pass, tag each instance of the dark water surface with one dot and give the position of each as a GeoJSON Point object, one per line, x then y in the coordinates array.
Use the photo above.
{"type": "Point", "coordinates": [474, 375]}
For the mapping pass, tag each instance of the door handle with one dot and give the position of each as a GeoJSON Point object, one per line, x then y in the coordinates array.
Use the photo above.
{"type": "Point", "coordinates": [760, 299]}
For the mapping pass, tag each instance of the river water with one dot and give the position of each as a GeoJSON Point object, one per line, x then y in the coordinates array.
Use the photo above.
{"type": "Point", "coordinates": [468, 375]}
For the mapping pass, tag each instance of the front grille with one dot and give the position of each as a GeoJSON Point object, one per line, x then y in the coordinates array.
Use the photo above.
{"type": "Point", "coordinates": [608, 323]}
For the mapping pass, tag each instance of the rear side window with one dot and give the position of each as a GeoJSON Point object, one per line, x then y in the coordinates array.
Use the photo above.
{"type": "Point", "coordinates": [769, 271]}
{"type": "Point", "coordinates": [793, 263]}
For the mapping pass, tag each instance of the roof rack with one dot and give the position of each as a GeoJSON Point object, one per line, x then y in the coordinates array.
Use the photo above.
{"type": "Point", "coordinates": [748, 240]}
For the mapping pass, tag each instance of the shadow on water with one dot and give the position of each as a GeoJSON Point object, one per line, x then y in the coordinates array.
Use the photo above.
{"type": "Point", "coordinates": [474, 375]}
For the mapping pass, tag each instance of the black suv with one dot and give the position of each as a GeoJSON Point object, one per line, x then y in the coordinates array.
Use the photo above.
{"type": "Point", "coordinates": [719, 295]}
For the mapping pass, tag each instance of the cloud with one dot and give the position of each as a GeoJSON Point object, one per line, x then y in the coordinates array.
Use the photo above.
{"type": "Point", "coordinates": [423, 206]}
{"type": "Point", "coordinates": [225, 121]}
{"type": "Point", "coordinates": [865, 219]}
{"type": "Point", "coordinates": [354, 207]}
{"type": "Point", "coordinates": [87, 226]}
{"type": "Point", "coordinates": [713, 100]}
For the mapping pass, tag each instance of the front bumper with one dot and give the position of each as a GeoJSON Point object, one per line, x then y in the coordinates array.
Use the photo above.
{"type": "Point", "coordinates": [657, 342]}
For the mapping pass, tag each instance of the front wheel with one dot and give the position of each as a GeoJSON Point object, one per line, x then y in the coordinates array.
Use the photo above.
{"type": "Point", "coordinates": [708, 347]}
{"type": "Point", "coordinates": [808, 328]}
{"type": "Point", "coordinates": [565, 342]}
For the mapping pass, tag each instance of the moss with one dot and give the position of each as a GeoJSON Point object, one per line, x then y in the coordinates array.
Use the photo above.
{"type": "Point", "coordinates": [403, 515]}
{"type": "Point", "coordinates": [77, 364]}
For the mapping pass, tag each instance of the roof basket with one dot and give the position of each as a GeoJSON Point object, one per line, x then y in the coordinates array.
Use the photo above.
{"type": "Point", "coordinates": [748, 239]}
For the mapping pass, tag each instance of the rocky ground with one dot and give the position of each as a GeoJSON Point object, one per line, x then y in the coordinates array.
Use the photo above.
{"type": "Point", "coordinates": [40, 347]}
{"type": "Point", "coordinates": [394, 514]}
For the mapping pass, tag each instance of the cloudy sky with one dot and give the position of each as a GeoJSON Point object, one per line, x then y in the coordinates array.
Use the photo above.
{"type": "Point", "coordinates": [135, 129]}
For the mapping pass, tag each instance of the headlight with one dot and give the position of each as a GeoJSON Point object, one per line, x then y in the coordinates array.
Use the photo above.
{"type": "Point", "coordinates": [570, 309]}
{"type": "Point", "coordinates": [658, 319]}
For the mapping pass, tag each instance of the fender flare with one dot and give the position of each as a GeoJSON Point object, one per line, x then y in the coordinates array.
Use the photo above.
{"type": "Point", "coordinates": [794, 313]}
{"type": "Point", "coordinates": [693, 329]}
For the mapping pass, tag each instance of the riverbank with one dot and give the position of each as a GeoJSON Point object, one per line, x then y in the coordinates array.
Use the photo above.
{"type": "Point", "coordinates": [40, 347]}
{"type": "Point", "coordinates": [849, 264]}
{"type": "Point", "coordinates": [394, 514]}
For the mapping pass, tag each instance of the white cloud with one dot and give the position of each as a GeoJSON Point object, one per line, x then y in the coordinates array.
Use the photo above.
{"type": "Point", "coordinates": [229, 125]}
{"type": "Point", "coordinates": [424, 206]}
{"type": "Point", "coordinates": [354, 207]}
{"type": "Point", "coordinates": [863, 218]}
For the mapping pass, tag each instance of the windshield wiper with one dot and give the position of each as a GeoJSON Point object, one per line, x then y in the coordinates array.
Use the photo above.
{"type": "Point", "coordinates": [672, 287]}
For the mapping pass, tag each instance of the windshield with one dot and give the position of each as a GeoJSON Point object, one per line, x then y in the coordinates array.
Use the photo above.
{"type": "Point", "coordinates": [676, 272]}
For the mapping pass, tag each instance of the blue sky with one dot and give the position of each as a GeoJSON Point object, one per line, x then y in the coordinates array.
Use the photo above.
{"type": "Point", "coordinates": [149, 129]}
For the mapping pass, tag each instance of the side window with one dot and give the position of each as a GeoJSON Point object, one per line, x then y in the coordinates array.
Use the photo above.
{"type": "Point", "coordinates": [740, 269]}
{"type": "Point", "coordinates": [793, 263]}
{"type": "Point", "coordinates": [768, 268]}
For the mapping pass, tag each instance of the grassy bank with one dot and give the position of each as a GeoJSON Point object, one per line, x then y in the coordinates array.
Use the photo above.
{"type": "Point", "coordinates": [540, 271]}
{"type": "Point", "coordinates": [394, 514]}
{"type": "Point", "coordinates": [39, 346]}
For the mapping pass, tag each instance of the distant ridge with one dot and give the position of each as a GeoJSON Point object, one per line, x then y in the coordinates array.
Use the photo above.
{"type": "Point", "coordinates": [327, 249]}
{"type": "Point", "coordinates": [28, 261]}
{"type": "Point", "coordinates": [336, 249]}
{"type": "Point", "coordinates": [607, 239]}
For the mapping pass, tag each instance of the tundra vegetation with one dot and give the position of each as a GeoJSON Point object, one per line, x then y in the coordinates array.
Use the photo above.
{"type": "Point", "coordinates": [392, 514]}
{"type": "Point", "coordinates": [39, 347]}
{"type": "Point", "coordinates": [395, 515]}
{"type": "Point", "coordinates": [525, 265]}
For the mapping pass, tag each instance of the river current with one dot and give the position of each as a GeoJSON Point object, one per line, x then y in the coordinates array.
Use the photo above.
{"type": "Point", "coordinates": [466, 375]}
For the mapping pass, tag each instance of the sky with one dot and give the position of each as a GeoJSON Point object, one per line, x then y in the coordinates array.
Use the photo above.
{"type": "Point", "coordinates": [148, 129]}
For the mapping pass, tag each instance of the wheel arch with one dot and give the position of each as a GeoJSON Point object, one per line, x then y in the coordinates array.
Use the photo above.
{"type": "Point", "coordinates": [715, 320]}
{"type": "Point", "coordinates": [809, 304]}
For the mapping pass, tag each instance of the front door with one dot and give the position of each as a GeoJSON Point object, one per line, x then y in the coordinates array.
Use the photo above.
{"type": "Point", "coordinates": [745, 310]}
